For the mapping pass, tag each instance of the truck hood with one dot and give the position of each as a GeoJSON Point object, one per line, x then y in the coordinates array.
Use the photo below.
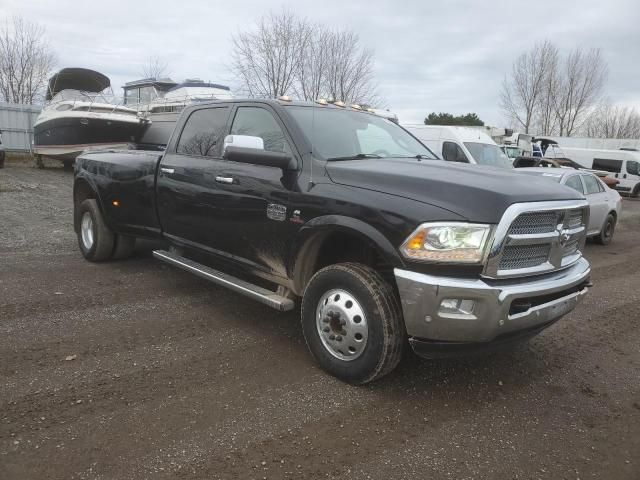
{"type": "Point", "coordinates": [477, 193]}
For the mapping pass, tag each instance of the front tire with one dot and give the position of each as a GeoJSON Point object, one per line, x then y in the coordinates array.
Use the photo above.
{"type": "Point", "coordinates": [95, 239]}
{"type": "Point", "coordinates": [352, 322]}
{"type": "Point", "coordinates": [606, 234]}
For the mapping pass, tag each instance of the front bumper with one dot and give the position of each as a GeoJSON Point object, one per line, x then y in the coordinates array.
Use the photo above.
{"type": "Point", "coordinates": [501, 308]}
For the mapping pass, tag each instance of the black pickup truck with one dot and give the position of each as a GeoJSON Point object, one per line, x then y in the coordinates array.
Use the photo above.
{"type": "Point", "coordinates": [385, 245]}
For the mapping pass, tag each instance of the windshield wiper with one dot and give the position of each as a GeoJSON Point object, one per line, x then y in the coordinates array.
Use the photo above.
{"type": "Point", "coordinates": [418, 156]}
{"type": "Point", "coordinates": [358, 156]}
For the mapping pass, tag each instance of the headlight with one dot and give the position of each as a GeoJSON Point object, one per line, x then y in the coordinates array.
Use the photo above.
{"type": "Point", "coordinates": [447, 242]}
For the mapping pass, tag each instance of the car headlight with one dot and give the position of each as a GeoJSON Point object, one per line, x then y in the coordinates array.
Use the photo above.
{"type": "Point", "coordinates": [447, 242]}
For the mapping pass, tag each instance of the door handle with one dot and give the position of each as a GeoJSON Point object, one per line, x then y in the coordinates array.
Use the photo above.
{"type": "Point", "coordinates": [167, 170]}
{"type": "Point", "coordinates": [624, 176]}
{"type": "Point", "coordinates": [227, 180]}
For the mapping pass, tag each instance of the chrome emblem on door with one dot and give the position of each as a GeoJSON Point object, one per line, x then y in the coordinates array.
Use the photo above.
{"type": "Point", "coordinates": [276, 212]}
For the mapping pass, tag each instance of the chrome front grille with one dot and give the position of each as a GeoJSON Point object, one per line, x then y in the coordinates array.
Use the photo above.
{"type": "Point", "coordinates": [534, 222]}
{"type": "Point", "coordinates": [540, 237]}
{"type": "Point", "coordinates": [524, 256]}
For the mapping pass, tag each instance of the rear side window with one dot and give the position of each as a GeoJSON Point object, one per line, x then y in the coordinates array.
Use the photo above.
{"type": "Point", "coordinates": [632, 167]}
{"type": "Point", "coordinates": [258, 122]}
{"type": "Point", "coordinates": [607, 165]}
{"type": "Point", "coordinates": [575, 183]}
{"type": "Point", "coordinates": [453, 153]}
{"type": "Point", "coordinates": [203, 132]}
{"type": "Point", "coordinates": [591, 184]}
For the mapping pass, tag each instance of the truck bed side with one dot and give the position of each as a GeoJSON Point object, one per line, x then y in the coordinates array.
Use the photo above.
{"type": "Point", "coordinates": [124, 184]}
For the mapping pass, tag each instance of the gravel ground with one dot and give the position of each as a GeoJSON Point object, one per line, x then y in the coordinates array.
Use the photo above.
{"type": "Point", "coordinates": [135, 370]}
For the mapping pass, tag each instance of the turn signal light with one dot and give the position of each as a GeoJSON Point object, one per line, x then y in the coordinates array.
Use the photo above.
{"type": "Point", "coordinates": [416, 242]}
{"type": "Point", "coordinates": [116, 203]}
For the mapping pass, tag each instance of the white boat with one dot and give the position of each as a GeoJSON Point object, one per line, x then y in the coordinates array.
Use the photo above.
{"type": "Point", "coordinates": [161, 100]}
{"type": "Point", "coordinates": [81, 114]}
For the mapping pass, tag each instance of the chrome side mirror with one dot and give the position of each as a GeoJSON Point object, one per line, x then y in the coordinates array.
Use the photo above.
{"type": "Point", "coordinates": [243, 141]}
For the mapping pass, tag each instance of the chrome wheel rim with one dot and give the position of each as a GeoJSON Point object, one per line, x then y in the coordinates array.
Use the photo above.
{"type": "Point", "coordinates": [86, 230]}
{"type": "Point", "coordinates": [342, 325]}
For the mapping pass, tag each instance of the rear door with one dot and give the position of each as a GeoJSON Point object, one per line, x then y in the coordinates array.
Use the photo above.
{"type": "Point", "coordinates": [187, 190]}
{"type": "Point", "coordinates": [598, 204]}
{"type": "Point", "coordinates": [630, 176]}
{"type": "Point", "coordinates": [614, 167]}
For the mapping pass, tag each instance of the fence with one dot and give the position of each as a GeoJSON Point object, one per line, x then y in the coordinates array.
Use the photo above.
{"type": "Point", "coordinates": [16, 124]}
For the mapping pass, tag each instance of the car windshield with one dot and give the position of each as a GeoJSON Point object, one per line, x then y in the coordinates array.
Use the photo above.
{"type": "Point", "coordinates": [488, 154]}
{"type": "Point", "coordinates": [337, 134]}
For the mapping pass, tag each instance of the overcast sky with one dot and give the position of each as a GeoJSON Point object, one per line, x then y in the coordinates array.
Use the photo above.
{"type": "Point", "coordinates": [429, 55]}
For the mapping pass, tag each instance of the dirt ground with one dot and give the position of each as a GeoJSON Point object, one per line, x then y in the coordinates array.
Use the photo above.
{"type": "Point", "coordinates": [134, 369]}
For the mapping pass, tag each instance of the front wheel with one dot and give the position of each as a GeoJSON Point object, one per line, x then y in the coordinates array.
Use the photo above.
{"type": "Point", "coordinates": [352, 322]}
{"type": "Point", "coordinates": [606, 234]}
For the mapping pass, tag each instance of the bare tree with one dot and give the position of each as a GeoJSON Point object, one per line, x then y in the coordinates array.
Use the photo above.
{"type": "Point", "coordinates": [581, 82]}
{"type": "Point", "coordinates": [268, 60]}
{"type": "Point", "coordinates": [288, 55]}
{"type": "Point", "coordinates": [349, 69]}
{"type": "Point", "coordinates": [311, 77]}
{"type": "Point", "coordinates": [545, 117]}
{"type": "Point", "coordinates": [155, 67]}
{"type": "Point", "coordinates": [26, 59]}
{"type": "Point", "coordinates": [523, 89]}
{"type": "Point", "coordinates": [613, 121]}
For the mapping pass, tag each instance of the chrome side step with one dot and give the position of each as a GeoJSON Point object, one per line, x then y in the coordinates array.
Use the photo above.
{"type": "Point", "coordinates": [240, 286]}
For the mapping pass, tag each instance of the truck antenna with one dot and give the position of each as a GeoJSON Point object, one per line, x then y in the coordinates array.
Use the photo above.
{"type": "Point", "coordinates": [313, 133]}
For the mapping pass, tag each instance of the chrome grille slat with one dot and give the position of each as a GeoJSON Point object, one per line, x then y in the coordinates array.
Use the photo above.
{"type": "Point", "coordinates": [537, 237]}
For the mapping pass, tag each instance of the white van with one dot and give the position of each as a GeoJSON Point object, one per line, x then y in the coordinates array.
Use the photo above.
{"type": "Point", "coordinates": [623, 165]}
{"type": "Point", "coordinates": [460, 144]}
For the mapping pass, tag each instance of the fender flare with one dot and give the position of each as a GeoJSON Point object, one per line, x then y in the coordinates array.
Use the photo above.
{"type": "Point", "coordinates": [312, 235]}
{"type": "Point", "coordinates": [87, 180]}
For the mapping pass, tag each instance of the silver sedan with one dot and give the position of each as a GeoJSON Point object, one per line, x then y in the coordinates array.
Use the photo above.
{"type": "Point", "coordinates": [605, 204]}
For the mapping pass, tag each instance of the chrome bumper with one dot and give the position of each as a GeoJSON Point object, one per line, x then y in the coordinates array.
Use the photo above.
{"type": "Point", "coordinates": [421, 296]}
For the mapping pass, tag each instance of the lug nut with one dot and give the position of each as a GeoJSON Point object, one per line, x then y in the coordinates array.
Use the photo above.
{"type": "Point", "coordinates": [343, 322]}
{"type": "Point", "coordinates": [332, 337]}
{"type": "Point", "coordinates": [338, 338]}
{"type": "Point", "coordinates": [326, 319]}
{"type": "Point", "coordinates": [326, 329]}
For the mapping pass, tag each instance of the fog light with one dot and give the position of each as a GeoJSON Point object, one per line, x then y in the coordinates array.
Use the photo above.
{"type": "Point", "coordinates": [457, 305]}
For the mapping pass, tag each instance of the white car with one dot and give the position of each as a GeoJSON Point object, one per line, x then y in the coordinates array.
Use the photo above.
{"type": "Point", "coordinates": [605, 204]}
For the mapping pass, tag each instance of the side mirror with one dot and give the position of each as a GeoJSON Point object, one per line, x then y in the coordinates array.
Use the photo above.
{"type": "Point", "coordinates": [244, 141]}
{"type": "Point", "coordinates": [255, 156]}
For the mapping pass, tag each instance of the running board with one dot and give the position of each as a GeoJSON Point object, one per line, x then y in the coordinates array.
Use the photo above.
{"type": "Point", "coordinates": [240, 286]}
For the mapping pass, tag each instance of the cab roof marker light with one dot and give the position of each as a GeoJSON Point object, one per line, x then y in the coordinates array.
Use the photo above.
{"type": "Point", "coordinates": [284, 98]}
{"type": "Point", "coordinates": [355, 106]}
{"type": "Point", "coordinates": [322, 101]}
{"type": "Point", "coordinates": [339, 103]}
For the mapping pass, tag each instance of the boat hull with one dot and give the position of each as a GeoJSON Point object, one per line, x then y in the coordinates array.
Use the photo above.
{"type": "Point", "coordinates": [68, 137]}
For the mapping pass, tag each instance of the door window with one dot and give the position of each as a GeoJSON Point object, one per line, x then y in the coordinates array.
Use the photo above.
{"type": "Point", "coordinates": [258, 122]}
{"type": "Point", "coordinates": [607, 165]}
{"type": "Point", "coordinates": [575, 183]}
{"type": "Point", "coordinates": [203, 131]}
{"type": "Point", "coordinates": [632, 167]}
{"type": "Point", "coordinates": [591, 184]}
{"type": "Point", "coordinates": [453, 153]}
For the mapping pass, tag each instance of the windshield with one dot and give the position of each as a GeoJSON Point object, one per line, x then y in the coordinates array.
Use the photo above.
{"type": "Point", "coordinates": [488, 154]}
{"type": "Point", "coordinates": [512, 152]}
{"type": "Point", "coordinates": [337, 134]}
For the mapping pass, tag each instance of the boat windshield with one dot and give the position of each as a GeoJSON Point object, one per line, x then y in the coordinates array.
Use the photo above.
{"type": "Point", "coordinates": [80, 96]}
{"type": "Point", "coordinates": [340, 134]}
